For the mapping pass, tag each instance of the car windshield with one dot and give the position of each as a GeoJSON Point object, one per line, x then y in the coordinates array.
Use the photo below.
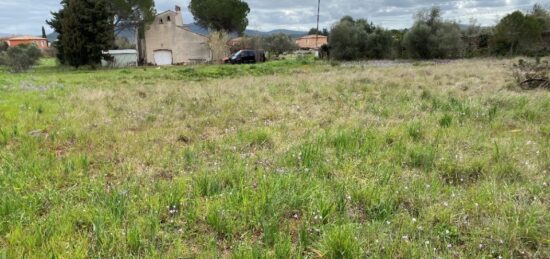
{"type": "Point", "coordinates": [237, 54]}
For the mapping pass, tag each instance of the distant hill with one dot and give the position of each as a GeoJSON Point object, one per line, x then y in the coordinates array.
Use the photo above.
{"type": "Point", "coordinates": [52, 36]}
{"type": "Point", "coordinates": [269, 33]}
{"type": "Point", "coordinates": [5, 34]}
{"type": "Point", "coordinates": [196, 28]}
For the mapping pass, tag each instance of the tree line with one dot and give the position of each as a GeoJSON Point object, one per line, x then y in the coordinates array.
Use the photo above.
{"type": "Point", "coordinates": [433, 37]}
{"type": "Point", "coordinates": [86, 28]}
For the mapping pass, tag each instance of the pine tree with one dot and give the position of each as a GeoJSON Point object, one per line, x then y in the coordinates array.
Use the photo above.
{"type": "Point", "coordinates": [85, 29]}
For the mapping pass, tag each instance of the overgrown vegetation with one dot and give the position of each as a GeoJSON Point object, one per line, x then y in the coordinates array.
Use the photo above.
{"type": "Point", "coordinates": [20, 58]}
{"type": "Point", "coordinates": [531, 75]}
{"type": "Point", "coordinates": [358, 39]}
{"type": "Point", "coordinates": [519, 33]}
{"type": "Point", "coordinates": [433, 37]}
{"type": "Point", "coordinates": [285, 159]}
{"type": "Point", "coordinates": [278, 44]}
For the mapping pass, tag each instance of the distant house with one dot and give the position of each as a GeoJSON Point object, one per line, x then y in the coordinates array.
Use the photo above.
{"type": "Point", "coordinates": [312, 41]}
{"type": "Point", "coordinates": [41, 43]}
{"type": "Point", "coordinates": [168, 41]}
{"type": "Point", "coordinates": [121, 58]}
{"type": "Point", "coordinates": [236, 43]}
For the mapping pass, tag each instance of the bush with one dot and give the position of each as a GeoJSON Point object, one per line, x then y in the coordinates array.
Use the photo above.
{"type": "Point", "coordinates": [22, 57]}
{"type": "Point", "coordinates": [431, 37]}
{"type": "Point", "coordinates": [358, 39]}
{"type": "Point", "coordinates": [3, 46]}
{"type": "Point", "coordinates": [279, 44]}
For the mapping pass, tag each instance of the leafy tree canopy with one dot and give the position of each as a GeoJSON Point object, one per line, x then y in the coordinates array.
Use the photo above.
{"type": "Point", "coordinates": [131, 14]}
{"type": "Point", "coordinates": [279, 43]}
{"type": "Point", "coordinates": [432, 37]}
{"type": "Point", "coordinates": [314, 31]}
{"type": "Point", "coordinates": [221, 15]}
{"type": "Point", "coordinates": [516, 33]}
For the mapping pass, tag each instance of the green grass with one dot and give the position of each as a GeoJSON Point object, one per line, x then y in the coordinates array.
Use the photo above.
{"type": "Point", "coordinates": [287, 159]}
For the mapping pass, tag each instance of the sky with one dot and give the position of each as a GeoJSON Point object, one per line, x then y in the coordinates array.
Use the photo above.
{"type": "Point", "coordinates": [28, 16]}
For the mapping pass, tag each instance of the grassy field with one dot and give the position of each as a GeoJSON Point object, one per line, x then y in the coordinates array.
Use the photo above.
{"type": "Point", "coordinates": [287, 159]}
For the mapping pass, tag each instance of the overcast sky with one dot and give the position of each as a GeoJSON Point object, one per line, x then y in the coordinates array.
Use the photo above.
{"type": "Point", "coordinates": [28, 16]}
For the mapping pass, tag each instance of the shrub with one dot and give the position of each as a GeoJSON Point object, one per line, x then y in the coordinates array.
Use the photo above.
{"type": "Point", "coordinates": [3, 46]}
{"type": "Point", "coordinates": [279, 43]}
{"type": "Point", "coordinates": [3, 59]}
{"type": "Point", "coordinates": [358, 39]}
{"type": "Point", "coordinates": [22, 57]}
{"type": "Point", "coordinates": [431, 37]}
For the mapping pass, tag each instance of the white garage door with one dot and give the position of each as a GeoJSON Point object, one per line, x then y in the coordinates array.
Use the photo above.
{"type": "Point", "coordinates": [163, 57]}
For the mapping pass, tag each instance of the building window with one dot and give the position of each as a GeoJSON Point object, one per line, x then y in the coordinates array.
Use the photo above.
{"type": "Point", "coordinates": [168, 19]}
{"type": "Point", "coordinates": [161, 21]}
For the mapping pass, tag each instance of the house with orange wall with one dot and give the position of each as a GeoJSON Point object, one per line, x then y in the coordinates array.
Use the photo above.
{"type": "Point", "coordinates": [312, 41]}
{"type": "Point", "coordinates": [41, 43]}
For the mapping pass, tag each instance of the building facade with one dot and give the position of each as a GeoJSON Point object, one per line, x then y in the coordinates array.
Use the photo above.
{"type": "Point", "coordinates": [312, 41]}
{"type": "Point", "coordinates": [168, 41]}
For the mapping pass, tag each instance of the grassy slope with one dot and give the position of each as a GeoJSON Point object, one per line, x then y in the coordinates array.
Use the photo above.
{"type": "Point", "coordinates": [284, 159]}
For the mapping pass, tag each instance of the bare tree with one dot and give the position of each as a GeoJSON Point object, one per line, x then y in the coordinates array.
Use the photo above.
{"type": "Point", "coordinates": [218, 45]}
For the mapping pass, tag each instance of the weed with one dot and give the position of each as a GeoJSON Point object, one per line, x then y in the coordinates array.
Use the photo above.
{"type": "Point", "coordinates": [218, 220]}
{"type": "Point", "coordinates": [415, 131]}
{"type": "Point", "coordinates": [340, 242]}
{"type": "Point", "coordinates": [446, 121]}
{"type": "Point", "coordinates": [422, 157]}
{"type": "Point", "coordinates": [207, 185]}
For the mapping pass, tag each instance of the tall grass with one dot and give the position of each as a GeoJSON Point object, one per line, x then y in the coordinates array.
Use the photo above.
{"type": "Point", "coordinates": [288, 159]}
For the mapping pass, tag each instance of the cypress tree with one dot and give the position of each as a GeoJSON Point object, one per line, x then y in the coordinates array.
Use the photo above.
{"type": "Point", "coordinates": [85, 29]}
{"type": "Point", "coordinates": [55, 24]}
{"type": "Point", "coordinates": [44, 33]}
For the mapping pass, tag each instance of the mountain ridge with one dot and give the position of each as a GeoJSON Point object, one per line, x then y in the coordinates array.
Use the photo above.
{"type": "Point", "coordinates": [196, 28]}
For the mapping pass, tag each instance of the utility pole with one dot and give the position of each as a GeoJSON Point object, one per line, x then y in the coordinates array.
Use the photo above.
{"type": "Point", "coordinates": [317, 32]}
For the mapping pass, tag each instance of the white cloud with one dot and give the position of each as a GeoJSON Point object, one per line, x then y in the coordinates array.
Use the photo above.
{"type": "Point", "coordinates": [28, 16]}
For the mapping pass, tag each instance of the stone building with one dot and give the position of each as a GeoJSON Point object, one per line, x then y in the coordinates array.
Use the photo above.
{"type": "Point", "coordinates": [168, 41]}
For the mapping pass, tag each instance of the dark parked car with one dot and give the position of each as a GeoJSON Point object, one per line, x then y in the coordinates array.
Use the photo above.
{"type": "Point", "coordinates": [247, 56]}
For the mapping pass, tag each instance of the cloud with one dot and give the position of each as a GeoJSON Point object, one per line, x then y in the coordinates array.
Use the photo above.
{"type": "Point", "coordinates": [28, 16]}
